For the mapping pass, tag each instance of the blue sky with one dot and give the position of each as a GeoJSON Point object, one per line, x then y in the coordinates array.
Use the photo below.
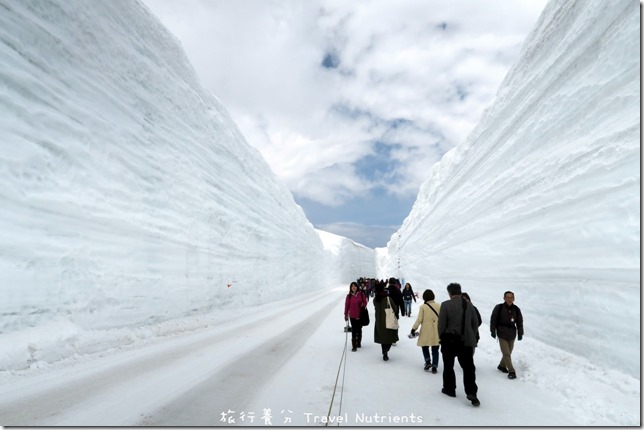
{"type": "Point", "coordinates": [352, 103]}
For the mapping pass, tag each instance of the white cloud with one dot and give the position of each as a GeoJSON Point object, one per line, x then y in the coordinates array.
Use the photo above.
{"type": "Point", "coordinates": [436, 64]}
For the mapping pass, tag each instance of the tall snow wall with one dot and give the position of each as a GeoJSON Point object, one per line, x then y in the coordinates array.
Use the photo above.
{"type": "Point", "coordinates": [128, 195]}
{"type": "Point", "coordinates": [349, 260]}
{"type": "Point", "coordinates": [543, 197]}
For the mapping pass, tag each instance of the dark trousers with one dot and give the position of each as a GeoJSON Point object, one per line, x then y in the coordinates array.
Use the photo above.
{"type": "Point", "coordinates": [465, 357]}
{"type": "Point", "coordinates": [434, 357]}
{"type": "Point", "coordinates": [385, 347]}
{"type": "Point", "coordinates": [356, 328]}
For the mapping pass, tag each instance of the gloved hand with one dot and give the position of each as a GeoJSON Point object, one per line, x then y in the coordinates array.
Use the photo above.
{"type": "Point", "coordinates": [413, 332]}
{"type": "Point", "coordinates": [520, 336]}
{"type": "Point", "coordinates": [493, 334]}
{"type": "Point", "coordinates": [346, 318]}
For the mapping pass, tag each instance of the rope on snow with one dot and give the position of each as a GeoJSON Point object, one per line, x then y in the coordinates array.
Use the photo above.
{"type": "Point", "coordinates": [343, 361]}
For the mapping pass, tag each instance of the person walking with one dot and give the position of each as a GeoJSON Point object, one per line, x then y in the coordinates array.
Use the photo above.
{"type": "Point", "coordinates": [506, 322]}
{"type": "Point", "coordinates": [427, 319]}
{"type": "Point", "coordinates": [408, 295]}
{"type": "Point", "coordinates": [395, 294]}
{"type": "Point", "coordinates": [457, 325]}
{"type": "Point", "coordinates": [367, 290]}
{"type": "Point", "coordinates": [353, 305]}
{"type": "Point", "coordinates": [381, 334]}
{"type": "Point", "coordinates": [478, 317]}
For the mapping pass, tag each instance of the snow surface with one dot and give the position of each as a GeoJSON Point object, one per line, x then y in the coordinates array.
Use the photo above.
{"type": "Point", "coordinates": [130, 198]}
{"type": "Point", "coordinates": [543, 198]}
{"type": "Point", "coordinates": [155, 272]}
{"type": "Point", "coordinates": [348, 260]}
{"type": "Point", "coordinates": [285, 359]}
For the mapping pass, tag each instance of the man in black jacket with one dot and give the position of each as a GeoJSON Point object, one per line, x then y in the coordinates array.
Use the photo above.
{"type": "Point", "coordinates": [506, 322]}
{"type": "Point", "coordinates": [457, 327]}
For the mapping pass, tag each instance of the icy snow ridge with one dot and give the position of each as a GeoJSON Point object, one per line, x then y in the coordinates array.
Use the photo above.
{"type": "Point", "coordinates": [349, 260]}
{"type": "Point", "coordinates": [543, 197]}
{"type": "Point", "coordinates": [129, 196]}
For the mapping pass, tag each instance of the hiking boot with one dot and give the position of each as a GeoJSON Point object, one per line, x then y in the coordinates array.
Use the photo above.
{"type": "Point", "coordinates": [472, 398]}
{"type": "Point", "coordinates": [385, 356]}
{"type": "Point", "coordinates": [434, 370]}
{"type": "Point", "coordinates": [427, 366]}
{"type": "Point", "coordinates": [449, 393]}
{"type": "Point", "coordinates": [502, 369]}
{"type": "Point", "coordinates": [354, 345]}
{"type": "Point", "coordinates": [512, 375]}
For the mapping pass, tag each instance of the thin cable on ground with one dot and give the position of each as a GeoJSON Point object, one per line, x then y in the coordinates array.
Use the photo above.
{"type": "Point", "coordinates": [342, 359]}
{"type": "Point", "coordinates": [344, 371]}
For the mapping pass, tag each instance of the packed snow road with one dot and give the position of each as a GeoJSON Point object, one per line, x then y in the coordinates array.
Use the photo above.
{"type": "Point", "coordinates": [182, 380]}
{"type": "Point", "coordinates": [235, 384]}
{"type": "Point", "coordinates": [277, 364]}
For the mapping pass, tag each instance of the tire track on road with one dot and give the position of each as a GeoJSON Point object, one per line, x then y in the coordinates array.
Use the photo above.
{"type": "Point", "coordinates": [47, 399]}
{"type": "Point", "coordinates": [234, 386]}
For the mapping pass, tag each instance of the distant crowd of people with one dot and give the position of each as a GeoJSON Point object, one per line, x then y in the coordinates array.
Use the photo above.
{"type": "Point", "coordinates": [452, 326]}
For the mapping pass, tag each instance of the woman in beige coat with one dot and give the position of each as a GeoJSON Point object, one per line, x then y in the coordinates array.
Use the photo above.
{"type": "Point", "coordinates": [428, 320]}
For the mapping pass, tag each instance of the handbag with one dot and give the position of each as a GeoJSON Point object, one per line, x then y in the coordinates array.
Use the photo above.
{"type": "Point", "coordinates": [364, 317]}
{"type": "Point", "coordinates": [391, 322]}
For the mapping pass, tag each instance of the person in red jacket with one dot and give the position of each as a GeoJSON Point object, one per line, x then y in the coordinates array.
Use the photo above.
{"type": "Point", "coordinates": [353, 305]}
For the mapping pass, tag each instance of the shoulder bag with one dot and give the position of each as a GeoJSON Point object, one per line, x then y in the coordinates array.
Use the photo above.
{"type": "Point", "coordinates": [364, 317]}
{"type": "Point", "coordinates": [432, 309]}
{"type": "Point", "coordinates": [391, 322]}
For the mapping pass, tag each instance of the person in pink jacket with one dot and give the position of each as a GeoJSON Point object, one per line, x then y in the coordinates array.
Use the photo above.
{"type": "Point", "coordinates": [353, 305]}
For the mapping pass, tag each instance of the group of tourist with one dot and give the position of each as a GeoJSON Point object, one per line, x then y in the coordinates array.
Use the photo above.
{"type": "Point", "coordinates": [453, 325]}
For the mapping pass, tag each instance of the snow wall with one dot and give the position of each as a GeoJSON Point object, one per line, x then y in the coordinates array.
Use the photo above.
{"type": "Point", "coordinates": [543, 197]}
{"type": "Point", "coordinates": [128, 195]}
{"type": "Point", "coordinates": [349, 260]}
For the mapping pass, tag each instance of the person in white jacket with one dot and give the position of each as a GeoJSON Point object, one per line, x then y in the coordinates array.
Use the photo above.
{"type": "Point", "coordinates": [428, 321]}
